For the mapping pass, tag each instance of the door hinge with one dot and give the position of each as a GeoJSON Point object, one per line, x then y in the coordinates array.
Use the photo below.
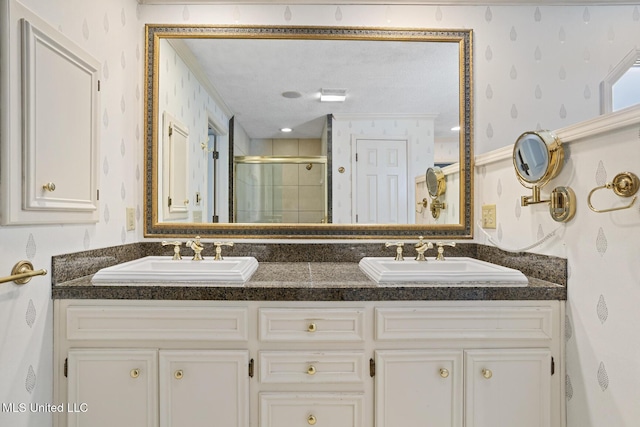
{"type": "Point", "coordinates": [98, 85]}
{"type": "Point", "coordinates": [553, 366]}
{"type": "Point", "coordinates": [215, 154]}
{"type": "Point", "coordinates": [97, 194]}
{"type": "Point", "coordinates": [169, 201]}
{"type": "Point", "coordinates": [356, 218]}
{"type": "Point", "coordinates": [170, 130]}
{"type": "Point", "coordinates": [215, 218]}
{"type": "Point", "coordinates": [65, 370]}
{"type": "Point", "coordinates": [356, 157]}
{"type": "Point", "coordinates": [372, 368]}
{"type": "Point", "coordinates": [251, 363]}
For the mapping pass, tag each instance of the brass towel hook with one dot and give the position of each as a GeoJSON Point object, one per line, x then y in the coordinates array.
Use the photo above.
{"type": "Point", "coordinates": [624, 184]}
{"type": "Point", "coordinates": [22, 272]}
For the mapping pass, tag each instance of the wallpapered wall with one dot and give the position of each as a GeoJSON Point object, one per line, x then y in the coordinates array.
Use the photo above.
{"type": "Point", "coordinates": [602, 250]}
{"type": "Point", "coordinates": [111, 32]}
{"type": "Point", "coordinates": [183, 97]}
{"type": "Point", "coordinates": [534, 67]}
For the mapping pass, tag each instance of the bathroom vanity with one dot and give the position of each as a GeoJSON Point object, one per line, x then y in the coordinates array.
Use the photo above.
{"type": "Point", "coordinates": [309, 344]}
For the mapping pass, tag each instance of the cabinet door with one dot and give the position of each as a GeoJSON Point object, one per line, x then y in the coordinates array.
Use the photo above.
{"type": "Point", "coordinates": [204, 388]}
{"type": "Point", "coordinates": [112, 388]}
{"type": "Point", "coordinates": [418, 388]}
{"type": "Point", "coordinates": [506, 388]}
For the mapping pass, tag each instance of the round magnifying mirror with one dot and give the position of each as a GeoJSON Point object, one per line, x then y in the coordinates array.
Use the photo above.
{"type": "Point", "coordinates": [436, 184]}
{"type": "Point", "coordinates": [537, 157]}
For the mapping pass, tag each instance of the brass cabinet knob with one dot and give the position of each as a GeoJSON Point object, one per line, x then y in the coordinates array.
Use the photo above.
{"type": "Point", "coordinates": [444, 373]}
{"type": "Point", "coordinates": [135, 373]}
{"type": "Point", "coordinates": [487, 373]}
{"type": "Point", "coordinates": [178, 374]}
{"type": "Point", "coordinates": [311, 370]}
{"type": "Point", "coordinates": [311, 420]}
{"type": "Point", "coordinates": [312, 327]}
{"type": "Point", "coordinates": [49, 186]}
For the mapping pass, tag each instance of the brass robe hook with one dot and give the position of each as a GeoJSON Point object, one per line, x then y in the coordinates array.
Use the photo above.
{"type": "Point", "coordinates": [624, 184]}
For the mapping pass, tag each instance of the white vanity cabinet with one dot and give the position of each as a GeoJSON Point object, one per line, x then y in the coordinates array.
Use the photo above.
{"type": "Point", "coordinates": [138, 388]}
{"type": "Point", "coordinates": [138, 364]}
{"type": "Point", "coordinates": [317, 375]}
{"type": "Point", "coordinates": [468, 366]}
{"type": "Point", "coordinates": [291, 364]}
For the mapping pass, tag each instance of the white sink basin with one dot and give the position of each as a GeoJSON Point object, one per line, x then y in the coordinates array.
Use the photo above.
{"type": "Point", "coordinates": [453, 271]}
{"type": "Point", "coordinates": [161, 269]}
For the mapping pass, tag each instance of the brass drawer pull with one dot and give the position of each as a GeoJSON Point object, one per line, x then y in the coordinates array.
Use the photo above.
{"type": "Point", "coordinates": [311, 370]}
{"type": "Point", "coordinates": [135, 373]}
{"type": "Point", "coordinates": [312, 327]}
{"type": "Point", "coordinates": [487, 373]}
{"type": "Point", "coordinates": [178, 374]}
{"type": "Point", "coordinates": [311, 420]}
{"type": "Point", "coordinates": [444, 373]}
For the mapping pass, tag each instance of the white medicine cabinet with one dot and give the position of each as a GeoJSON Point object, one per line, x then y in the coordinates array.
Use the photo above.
{"type": "Point", "coordinates": [50, 125]}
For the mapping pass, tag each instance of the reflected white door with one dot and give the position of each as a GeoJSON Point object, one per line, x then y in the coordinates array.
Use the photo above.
{"type": "Point", "coordinates": [380, 188]}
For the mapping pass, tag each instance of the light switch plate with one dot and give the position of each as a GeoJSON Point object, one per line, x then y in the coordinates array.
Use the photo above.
{"type": "Point", "coordinates": [131, 219]}
{"type": "Point", "coordinates": [489, 216]}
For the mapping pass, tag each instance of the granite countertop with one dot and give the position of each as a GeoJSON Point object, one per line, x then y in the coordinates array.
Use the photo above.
{"type": "Point", "coordinates": [309, 281]}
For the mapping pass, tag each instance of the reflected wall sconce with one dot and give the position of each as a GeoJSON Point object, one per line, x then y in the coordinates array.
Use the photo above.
{"type": "Point", "coordinates": [436, 186]}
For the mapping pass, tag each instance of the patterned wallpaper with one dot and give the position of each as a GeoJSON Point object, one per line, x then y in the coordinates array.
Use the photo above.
{"type": "Point", "coordinates": [602, 370]}
{"type": "Point", "coordinates": [535, 67]}
{"type": "Point", "coordinates": [110, 31]}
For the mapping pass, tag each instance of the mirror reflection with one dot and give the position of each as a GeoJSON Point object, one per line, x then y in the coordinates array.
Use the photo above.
{"type": "Point", "coordinates": [264, 146]}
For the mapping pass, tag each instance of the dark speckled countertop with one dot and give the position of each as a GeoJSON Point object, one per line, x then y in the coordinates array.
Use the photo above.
{"type": "Point", "coordinates": [317, 272]}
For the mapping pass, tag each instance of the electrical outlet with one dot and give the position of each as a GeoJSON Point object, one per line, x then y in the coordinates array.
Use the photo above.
{"type": "Point", "coordinates": [131, 219]}
{"type": "Point", "coordinates": [489, 216]}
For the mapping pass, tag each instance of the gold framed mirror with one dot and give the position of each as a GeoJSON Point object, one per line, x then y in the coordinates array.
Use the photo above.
{"type": "Point", "coordinates": [225, 121]}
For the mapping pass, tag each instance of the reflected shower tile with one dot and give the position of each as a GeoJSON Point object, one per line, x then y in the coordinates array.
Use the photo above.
{"type": "Point", "coordinates": [285, 147]}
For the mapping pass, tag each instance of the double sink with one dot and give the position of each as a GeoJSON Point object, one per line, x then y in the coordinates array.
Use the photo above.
{"type": "Point", "coordinates": [235, 271]}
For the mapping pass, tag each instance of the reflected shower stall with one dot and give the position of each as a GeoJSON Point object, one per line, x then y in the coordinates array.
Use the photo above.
{"type": "Point", "coordinates": [284, 189]}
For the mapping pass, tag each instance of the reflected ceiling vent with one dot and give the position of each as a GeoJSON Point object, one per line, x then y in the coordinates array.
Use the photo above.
{"type": "Point", "coordinates": [333, 95]}
{"type": "Point", "coordinates": [291, 94]}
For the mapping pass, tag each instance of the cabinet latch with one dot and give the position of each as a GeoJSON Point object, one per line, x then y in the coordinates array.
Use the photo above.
{"type": "Point", "coordinates": [372, 368]}
{"type": "Point", "coordinates": [65, 370]}
{"type": "Point", "coordinates": [251, 368]}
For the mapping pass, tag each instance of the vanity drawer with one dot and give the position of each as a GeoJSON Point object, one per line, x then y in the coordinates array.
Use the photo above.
{"type": "Point", "coordinates": [157, 323]}
{"type": "Point", "coordinates": [311, 325]}
{"type": "Point", "coordinates": [518, 323]}
{"type": "Point", "coordinates": [304, 367]}
{"type": "Point", "coordinates": [319, 409]}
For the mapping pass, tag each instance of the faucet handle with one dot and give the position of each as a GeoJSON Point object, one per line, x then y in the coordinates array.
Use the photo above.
{"type": "Point", "coordinates": [218, 245]}
{"type": "Point", "coordinates": [398, 246]}
{"type": "Point", "coordinates": [441, 245]}
{"type": "Point", "coordinates": [176, 248]}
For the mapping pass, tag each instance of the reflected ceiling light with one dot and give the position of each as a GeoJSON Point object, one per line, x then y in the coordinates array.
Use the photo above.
{"type": "Point", "coordinates": [286, 130]}
{"type": "Point", "coordinates": [455, 129]}
{"type": "Point", "coordinates": [333, 95]}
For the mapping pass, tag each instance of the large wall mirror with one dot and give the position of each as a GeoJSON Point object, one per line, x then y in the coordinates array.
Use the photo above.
{"type": "Point", "coordinates": [306, 132]}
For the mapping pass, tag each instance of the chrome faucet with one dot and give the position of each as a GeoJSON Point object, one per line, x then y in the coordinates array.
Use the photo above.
{"type": "Point", "coordinates": [441, 245]}
{"type": "Point", "coordinates": [399, 246]}
{"type": "Point", "coordinates": [196, 247]}
{"type": "Point", "coordinates": [421, 248]}
{"type": "Point", "coordinates": [218, 246]}
{"type": "Point", "coordinates": [176, 248]}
